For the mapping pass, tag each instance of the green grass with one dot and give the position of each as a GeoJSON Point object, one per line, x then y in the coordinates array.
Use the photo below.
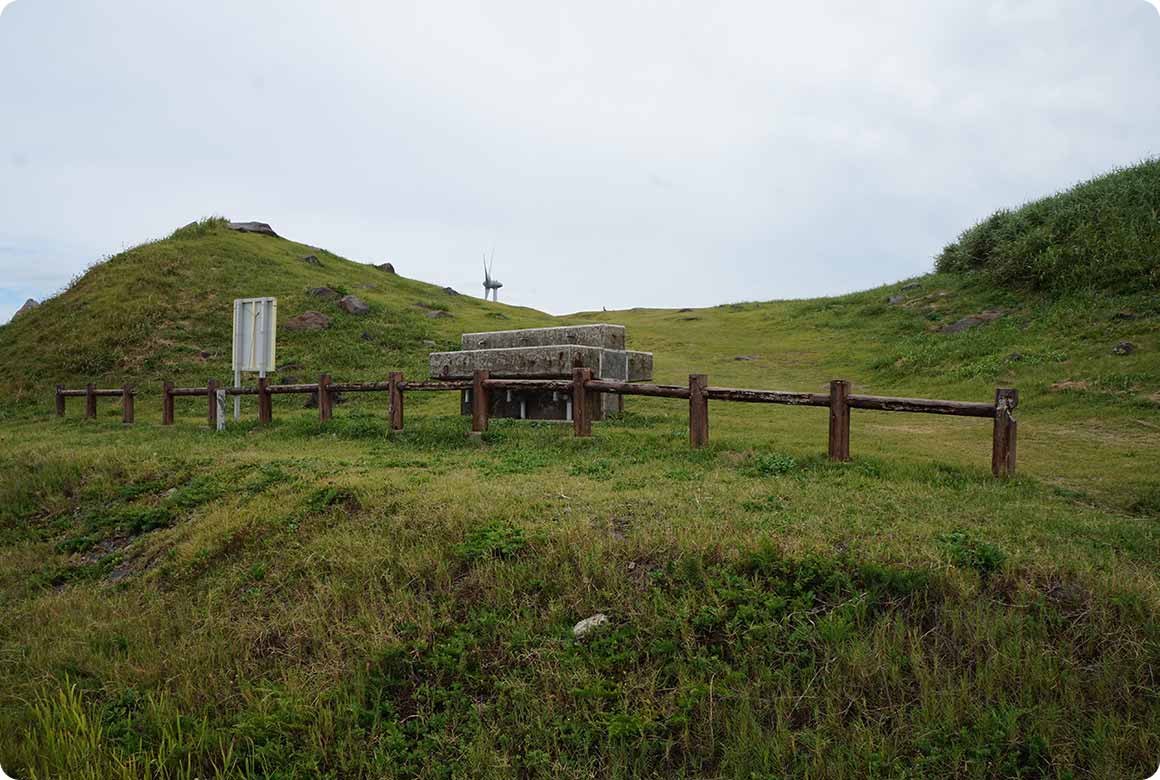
{"type": "Point", "coordinates": [1103, 234]}
{"type": "Point", "coordinates": [337, 600]}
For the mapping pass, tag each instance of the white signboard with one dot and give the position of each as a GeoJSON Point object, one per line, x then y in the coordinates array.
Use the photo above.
{"type": "Point", "coordinates": [255, 321]}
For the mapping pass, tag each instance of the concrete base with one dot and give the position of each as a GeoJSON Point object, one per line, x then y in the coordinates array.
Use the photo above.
{"type": "Point", "coordinates": [544, 353]}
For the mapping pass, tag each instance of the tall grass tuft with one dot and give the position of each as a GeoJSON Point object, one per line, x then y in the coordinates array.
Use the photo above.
{"type": "Point", "coordinates": [1102, 234]}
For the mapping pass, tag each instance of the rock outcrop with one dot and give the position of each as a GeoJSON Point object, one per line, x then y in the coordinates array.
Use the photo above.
{"type": "Point", "coordinates": [308, 320]}
{"type": "Point", "coordinates": [28, 306]}
{"type": "Point", "coordinates": [352, 304]}
{"type": "Point", "coordinates": [252, 227]}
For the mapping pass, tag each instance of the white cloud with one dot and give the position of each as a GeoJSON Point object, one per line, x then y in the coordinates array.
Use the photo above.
{"type": "Point", "coordinates": [615, 153]}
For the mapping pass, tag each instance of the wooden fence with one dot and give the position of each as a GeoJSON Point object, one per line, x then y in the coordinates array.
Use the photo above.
{"type": "Point", "coordinates": [585, 391]}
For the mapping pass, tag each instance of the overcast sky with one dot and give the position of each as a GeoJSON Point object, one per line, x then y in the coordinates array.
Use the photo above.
{"type": "Point", "coordinates": [615, 154]}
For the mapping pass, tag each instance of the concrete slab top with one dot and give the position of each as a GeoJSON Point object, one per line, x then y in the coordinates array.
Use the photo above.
{"type": "Point", "coordinates": [595, 335]}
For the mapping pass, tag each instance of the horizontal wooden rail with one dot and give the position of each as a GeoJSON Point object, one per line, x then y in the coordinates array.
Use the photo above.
{"type": "Point", "coordinates": [434, 385]}
{"type": "Point", "coordinates": [638, 388]}
{"type": "Point", "coordinates": [188, 391]}
{"type": "Point", "coordinates": [99, 393]}
{"type": "Point", "coordinates": [921, 406]}
{"type": "Point", "coordinates": [537, 385]}
{"type": "Point", "coordinates": [585, 391]}
{"type": "Point", "coordinates": [766, 396]}
{"type": "Point", "coordinates": [283, 389]}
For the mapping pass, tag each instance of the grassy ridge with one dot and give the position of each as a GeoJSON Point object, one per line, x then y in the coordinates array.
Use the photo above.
{"type": "Point", "coordinates": [1103, 234]}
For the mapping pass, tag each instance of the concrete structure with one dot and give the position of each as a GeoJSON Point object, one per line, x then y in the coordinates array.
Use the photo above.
{"type": "Point", "coordinates": [544, 353]}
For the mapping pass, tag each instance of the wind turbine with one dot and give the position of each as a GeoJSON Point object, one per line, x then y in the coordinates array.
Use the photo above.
{"type": "Point", "coordinates": [490, 284]}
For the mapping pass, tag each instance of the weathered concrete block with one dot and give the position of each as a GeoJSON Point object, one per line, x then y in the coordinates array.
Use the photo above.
{"type": "Point", "coordinates": [598, 335]}
{"type": "Point", "coordinates": [521, 362]}
{"type": "Point", "coordinates": [640, 366]}
{"type": "Point", "coordinates": [545, 353]}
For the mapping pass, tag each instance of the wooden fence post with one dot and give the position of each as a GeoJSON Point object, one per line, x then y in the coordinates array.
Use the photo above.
{"type": "Point", "coordinates": [265, 407]}
{"type": "Point", "coordinates": [698, 411]}
{"type": "Point", "coordinates": [581, 402]}
{"type": "Point", "coordinates": [211, 387]}
{"type": "Point", "coordinates": [1003, 441]}
{"type": "Point", "coordinates": [60, 400]}
{"type": "Point", "coordinates": [325, 398]}
{"type": "Point", "coordinates": [839, 420]}
{"type": "Point", "coordinates": [90, 401]}
{"type": "Point", "coordinates": [167, 403]}
{"type": "Point", "coordinates": [396, 401]}
{"type": "Point", "coordinates": [480, 402]}
{"type": "Point", "coordinates": [127, 404]}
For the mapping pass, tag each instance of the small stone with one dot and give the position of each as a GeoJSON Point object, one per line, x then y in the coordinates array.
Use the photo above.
{"type": "Point", "coordinates": [894, 300]}
{"type": "Point", "coordinates": [252, 227]}
{"type": "Point", "coordinates": [203, 355]}
{"type": "Point", "coordinates": [1124, 348]}
{"type": "Point", "coordinates": [589, 625]}
{"type": "Point", "coordinates": [366, 336]}
{"type": "Point", "coordinates": [1015, 357]}
{"type": "Point", "coordinates": [325, 293]}
{"type": "Point", "coordinates": [450, 291]}
{"type": "Point", "coordinates": [746, 358]}
{"type": "Point", "coordinates": [428, 343]}
{"type": "Point", "coordinates": [352, 304]}
{"type": "Point", "coordinates": [308, 320]}
{"type": "Point", "coordinates": [386, 267]}
{"type": "Point", "coordinates": [911, 286]}
{"type": "Point", "coordinates": [311, 260]}
{"type": "Point", "coordinates": [1125, 316]}
{"type": "Point", "coordinates": [439, 314]}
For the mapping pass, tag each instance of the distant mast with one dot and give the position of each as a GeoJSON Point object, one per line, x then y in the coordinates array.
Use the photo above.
{"type": "Point", "coordinates": [489, 284]}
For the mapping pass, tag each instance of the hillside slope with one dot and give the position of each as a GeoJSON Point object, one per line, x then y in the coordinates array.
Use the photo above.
{"type": "Point", "coordinates": [163, 310]}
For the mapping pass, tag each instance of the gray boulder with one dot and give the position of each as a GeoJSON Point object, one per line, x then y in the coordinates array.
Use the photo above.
{"type": "Point", "coordinates": [450, 291]}
{"type": "Point", "coordinates": [1124, 348]}
{"type": "Point", "coordinates": [966, 323]}
{"type": "Point", "coordinates": [325, 293]}
{"type": "Point", "coordinates": [311, 260]}
{"type": "Point", "coordinates": [308, 320]}
{"type": "Point", "coordinates": [28, 306]}
{"type": "Point", "coordinates": [352, 304]}
{"type": "Point", "coordinates": [894, 300]}
{"type": "Point", "coordinates": [252, 227]}
{"type": "Point", "coordinates": [911, 286]}
{"type": "Point", "coordinates": [386, 267]}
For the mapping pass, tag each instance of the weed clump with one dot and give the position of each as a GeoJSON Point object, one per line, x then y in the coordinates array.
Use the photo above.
{"type": "Point", "coordinates": [965, 551]}
{"type": "Point", "coordinates": [494, 540]}
{"type": "Point", "coordinates": [770, 464]}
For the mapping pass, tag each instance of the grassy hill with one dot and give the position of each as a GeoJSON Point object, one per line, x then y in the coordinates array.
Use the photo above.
{"type": "Point", "coordinates": [1103, 234]}
{"type": "Point", "coordinates": [339, 601]}
{"type": "Point", "coordinates": [163, 310]}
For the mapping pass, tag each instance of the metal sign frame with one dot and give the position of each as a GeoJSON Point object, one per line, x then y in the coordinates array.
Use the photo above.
{"type": "Point", "coordinates": [255, 331]}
